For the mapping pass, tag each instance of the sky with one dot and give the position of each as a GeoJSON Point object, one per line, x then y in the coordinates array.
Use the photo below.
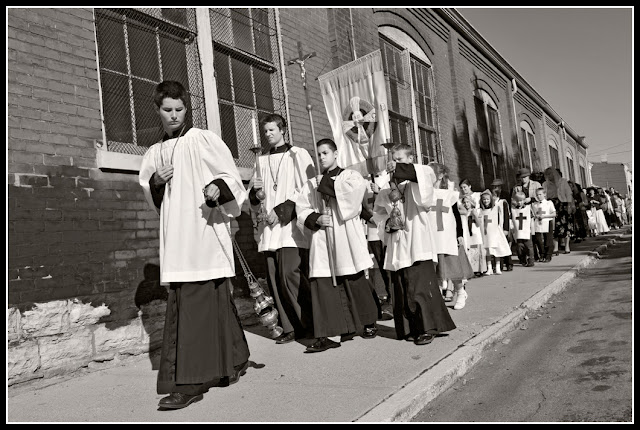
{"type": "Point", "coordinates": [580, 60]}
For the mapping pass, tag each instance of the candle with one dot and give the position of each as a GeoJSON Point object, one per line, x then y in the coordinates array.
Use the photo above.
{"type": "Point", "coordinates": [253, 127]}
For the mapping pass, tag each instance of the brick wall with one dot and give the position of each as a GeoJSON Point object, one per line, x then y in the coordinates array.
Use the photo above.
{"type": "Point", "coordinates": [75, 232]}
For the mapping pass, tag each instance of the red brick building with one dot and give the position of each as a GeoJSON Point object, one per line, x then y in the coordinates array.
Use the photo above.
{"type": "Point", "coordinates": [83, 264]}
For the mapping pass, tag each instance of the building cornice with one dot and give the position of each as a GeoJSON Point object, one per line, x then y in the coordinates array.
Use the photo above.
{"type": "Point", "coordinates": [471, 35]}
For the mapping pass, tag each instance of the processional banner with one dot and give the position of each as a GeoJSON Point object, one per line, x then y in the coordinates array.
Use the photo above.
{"type": "Point", "coordinates": [355, 99]}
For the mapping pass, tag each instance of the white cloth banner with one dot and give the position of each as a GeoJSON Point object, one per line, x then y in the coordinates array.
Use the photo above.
{"type": "Point", "coordinates": [355, 99]}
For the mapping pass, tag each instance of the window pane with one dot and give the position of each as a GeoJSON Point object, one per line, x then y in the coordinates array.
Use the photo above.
{"type": "Point", "coordinates": [174, 60]}
{"type": "Point", "coordinates": [177, 15]}
{"type": "Point", "coordinates": [143, 53]}
{"type": "Point", "coordinates": [241, 25]}
{"type": "Point", "coordinates": [261, 33]}
{"type": "Point", "coordinates": [394, 96]}
{"type": "Point", "coordinates": [242, 83]}
{"type": "Point", "coordinates": [429, 112]}
{"type": "Point", "coordinates": [494, 131]}
{"type": "Point", "coordinates": [117, 111]}
{"type": "Point", "coordinates": [148, 128]}
{"type": "Point", "coordinates": [229, 128]}
{"type": "Point", "coordinates": [264, 96]}
{"type": "Point", "coordinates": [111, 45]}
{"type": "Point", "coordinates": [487, 167]}
{"type": "Point", "coordinates": [223, 76]}
{"type": "Point", "coordinates": [483, 130]}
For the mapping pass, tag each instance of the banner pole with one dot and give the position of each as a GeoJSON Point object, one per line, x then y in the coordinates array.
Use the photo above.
{"type": "Point", "coordinates": [326, 210]}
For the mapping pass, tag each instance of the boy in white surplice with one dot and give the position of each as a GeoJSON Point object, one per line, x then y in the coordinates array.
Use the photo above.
{"type": "Point", "coordinates": [350, 307]}
{"type": "Point", "coordinates": [419, 310]}
{"type": "Point", "coordinates": [283, 171]}
{"type": "Point", "coordinates": [203, 342]}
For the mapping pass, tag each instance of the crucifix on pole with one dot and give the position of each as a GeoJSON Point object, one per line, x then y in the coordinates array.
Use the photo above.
{"type": "Point", "coordinates": [326, 209]}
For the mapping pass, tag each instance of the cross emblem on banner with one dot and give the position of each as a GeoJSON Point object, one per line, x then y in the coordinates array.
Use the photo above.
{"type": "Point", "coordinates": [540, 212]}
{"type": "Point", "coordinates": [439, 208]}
{"type": "Point", "coordinates": [487, 221]}
{"type": "Point", "coordinates": [521, 217]}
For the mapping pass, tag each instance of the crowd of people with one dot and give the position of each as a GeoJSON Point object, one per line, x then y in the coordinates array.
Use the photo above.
{"type": "Point", "coordinates": [322, 231]}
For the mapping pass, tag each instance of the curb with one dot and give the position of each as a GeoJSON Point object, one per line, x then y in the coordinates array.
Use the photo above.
{"type": "Point", "coordinates": [405, 403]}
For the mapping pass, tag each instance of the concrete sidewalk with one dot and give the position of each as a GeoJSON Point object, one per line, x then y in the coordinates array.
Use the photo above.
{"type": "Point", "coordinates": [365, 380]}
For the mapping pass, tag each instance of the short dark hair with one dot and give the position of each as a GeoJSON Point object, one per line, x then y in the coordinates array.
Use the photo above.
{"type": "Point", "coordinates": [328, 142]}
{"type": "Point", "coordinates": [169, 89]}
{"type": "Point", "coordinates": [408, 149]}
{"type": "Point", "coordinates": [274, 117]}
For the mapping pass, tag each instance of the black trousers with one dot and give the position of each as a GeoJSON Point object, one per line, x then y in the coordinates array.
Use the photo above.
{"type": "Point", "coordinates": [544, 241]}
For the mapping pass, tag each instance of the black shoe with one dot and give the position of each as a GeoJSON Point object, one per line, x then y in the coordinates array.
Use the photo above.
{"type": "Point", "coordinates": [387, 315]}
{"type": "Point", "coordinates": [508, 268]}
{"type": "Point", "coordinates": [347, 336]}
{"type": "Point", "coordinates": [178, 400]}
{"type": "Point", "coordinates": [286, 338]}
{"type": "Point", "coordinates": [530, 264]}
{"type": "Point", "coordinates": [424, 339]}
{"type": "Point", "coordinates": [238, 371]}
{"type": "Point", "coordinates": [370, 332]}
{"type": "Point", "coordinates": [322, 344]}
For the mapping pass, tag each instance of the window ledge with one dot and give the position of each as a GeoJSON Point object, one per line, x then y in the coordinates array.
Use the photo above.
{"type": "Point", "coordinates": [118, 160]}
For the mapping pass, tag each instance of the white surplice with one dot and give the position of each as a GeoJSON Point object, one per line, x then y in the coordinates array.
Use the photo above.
{"type": "Point", "coordinates": [416, 241]}
{"type": "Point", "coordinates": [350, 250]}
{"type": "Point", "coordinates": [195, 244]}
{"type": "Point", "coordinates": [291, 170]}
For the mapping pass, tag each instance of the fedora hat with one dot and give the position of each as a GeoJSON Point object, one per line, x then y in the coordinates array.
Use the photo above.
{"type": "Point", "coordinates": [497, 182]}
{"type": "Point", "coordinates": [523, 172]}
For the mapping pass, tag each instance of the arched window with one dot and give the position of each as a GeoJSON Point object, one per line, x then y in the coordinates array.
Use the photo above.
{"type": "Point", "coordinates": [570, 167]}
{"type": "Point", "coordinates": [490, 138]}
{"type": "Point", "coordinates": [412, 111]}
{"type": "Point", "coordinates": [527, 142]}
{"type": "Point", "coordinates": [554, 154]}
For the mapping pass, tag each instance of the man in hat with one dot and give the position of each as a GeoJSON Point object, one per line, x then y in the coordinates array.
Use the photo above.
{"type": "Point", "coordinates": [527, 186]}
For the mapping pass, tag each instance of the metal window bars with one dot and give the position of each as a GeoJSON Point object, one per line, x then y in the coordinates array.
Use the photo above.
{"type": "Point", "coordinates": [137, 49]}
{"type": "Point", "coordinates": [248, 77]}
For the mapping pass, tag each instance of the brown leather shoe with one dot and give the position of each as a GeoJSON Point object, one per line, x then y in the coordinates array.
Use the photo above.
{"type": "Point", "coordinates": [178, 400]}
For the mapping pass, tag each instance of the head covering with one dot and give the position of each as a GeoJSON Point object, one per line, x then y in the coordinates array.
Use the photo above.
{"type": "Point", "coordinates": [497, 182]}
{"type": "Point", "coordinates": [490, 199]}
{"type": "Point", "coordinates": [523, 172]}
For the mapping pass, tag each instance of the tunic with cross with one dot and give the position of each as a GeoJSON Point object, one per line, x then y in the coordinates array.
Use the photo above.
{"type": "Point", "coordinates": [542, 208]}
{"type": "Point", "coordinates": [522, 222]}
{"type": "Point", "coordinates": [493, 236]}
{"type": "Point", "coordinates": [443, 221]}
